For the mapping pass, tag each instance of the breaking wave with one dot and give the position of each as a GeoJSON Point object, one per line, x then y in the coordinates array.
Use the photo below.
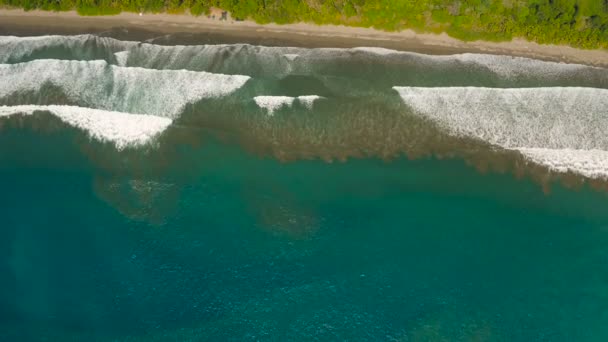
{"type": "Point", "coordinates": [81, 47]}
{"type": "Point", "coordinates": [504, 66]}
{"type": "Point", "coordinates": [561, 128]}
{"type": "Point", "coordinates": [589, 163]}
{"type": "Point", "coordinates": [126, 106]}
{"type": "Point", "coordinates": [553, 114]}
{"type": "Point", "coordinates": [274, 103]}
{"type": "Point", "coordinates": [97, 84]}
{"type": "Point", "coordinates": [279, 61]}
{"type": "Point", "coordinates": [121, 129]}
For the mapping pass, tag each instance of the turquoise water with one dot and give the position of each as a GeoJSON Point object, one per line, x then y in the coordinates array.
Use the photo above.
{"type": "Point", "coordinates": [304, 224]}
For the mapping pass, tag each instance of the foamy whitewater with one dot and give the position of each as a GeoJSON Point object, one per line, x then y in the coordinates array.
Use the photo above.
{"type": "Point", "coordinates": [517, 103]}
{"type": "Point", "coordinates": [561, 128]}
{"type": "Point", "coordinates": [125, 105]}
{"type": "Point", "coordinates": [291, 56]}
{"type": "Point", "coordinates": [271, 60]}
{"type": "Point", "coordinates": [97, 84]}
{"type": "Point", "coordinates": [273, 103]}
{"type": "Point", "coordinates": [122, 129]}
{"type": "Point", "coordinates": [16, 49]}
{"type": "Point", "coordinates": [121, 58]}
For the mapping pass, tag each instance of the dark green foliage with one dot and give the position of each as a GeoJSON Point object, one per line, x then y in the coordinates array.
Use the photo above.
{"type": "Point", "coordinates": [582, 23]}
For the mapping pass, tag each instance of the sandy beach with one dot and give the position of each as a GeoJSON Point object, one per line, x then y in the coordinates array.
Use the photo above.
{"type": "Point", "coordinates": [189, 29]}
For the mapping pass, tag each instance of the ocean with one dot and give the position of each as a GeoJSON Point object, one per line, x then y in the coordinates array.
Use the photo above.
{"type": "Point", "coordinates": [155, 192]}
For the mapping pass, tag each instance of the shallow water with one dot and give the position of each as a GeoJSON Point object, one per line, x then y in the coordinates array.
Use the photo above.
{"type": "Point", "coordinates": [295, 221]}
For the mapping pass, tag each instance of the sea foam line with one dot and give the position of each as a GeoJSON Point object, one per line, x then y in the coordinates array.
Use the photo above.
{"type": "Point", "coordinates": [15, 49]}
{"type": "Point", "coordinates": [121, 129]}
{"type": "Point", "coordinates": [502, 65]}
{"type": "Point", "coordinates": [589, 163]}
{"type": "Point", "coordinates": [276, 60]}
{"type": "Point", "coordinates": [561, 128]}
{"type": "Point", "coordinates": [272, 59]}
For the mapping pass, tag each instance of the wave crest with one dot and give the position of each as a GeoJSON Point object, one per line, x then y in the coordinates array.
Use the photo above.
{"type": "Point", "coordinates": [98, 84]}
{"type": "Point", "coordinates": [122, 129]}
{"type": "Point", "coordinates": [274, 103]}
{"type": "Point", "coordinates": [562, 128]}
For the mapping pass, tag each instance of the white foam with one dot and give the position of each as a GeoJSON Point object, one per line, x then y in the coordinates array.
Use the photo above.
{"type": "Point", "coordinates": [274, 103]}
{"type": "Point", "coordinates": [17, 48]}
{"type": "Point", "coordinates": [269, 59]}
{"type": "Point", "coordinates": [548, 125]}
{"type": "Point", "coordinates": [291, 56]}
{"type": "Point", "coordinates": [239, 58]}
{"type": "Point", "coordinates": [504, 66]}
{"type": "Point", "coordinates": [122, 129]}
{"type": "Point", "coordinates": [589, 163]}
{"type": "Point", "coordinates": [97, 84]}
{"type": "Point", "coordinates": [377, 50]}
{"type": "Point", "coordinates": [511, 67]}
{"type": "Point", "coordinates": [309, 100]}
{"type": "Point", "coordinates": [121, 57]}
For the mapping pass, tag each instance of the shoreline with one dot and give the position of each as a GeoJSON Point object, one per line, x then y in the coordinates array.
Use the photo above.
{"type": "Point", "coordinates": [186, 29]}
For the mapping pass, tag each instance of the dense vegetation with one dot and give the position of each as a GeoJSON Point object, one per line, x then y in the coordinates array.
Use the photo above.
{"type": "Point", "coordinates": [582, 23]}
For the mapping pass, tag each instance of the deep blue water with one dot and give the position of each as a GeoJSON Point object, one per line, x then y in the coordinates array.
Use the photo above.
{"type": "Point", "coordinates": [252, 248]}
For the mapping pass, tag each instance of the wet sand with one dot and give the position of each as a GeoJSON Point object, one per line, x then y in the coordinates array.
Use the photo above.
{"type": "Point", "coordinates": [186, 29]}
